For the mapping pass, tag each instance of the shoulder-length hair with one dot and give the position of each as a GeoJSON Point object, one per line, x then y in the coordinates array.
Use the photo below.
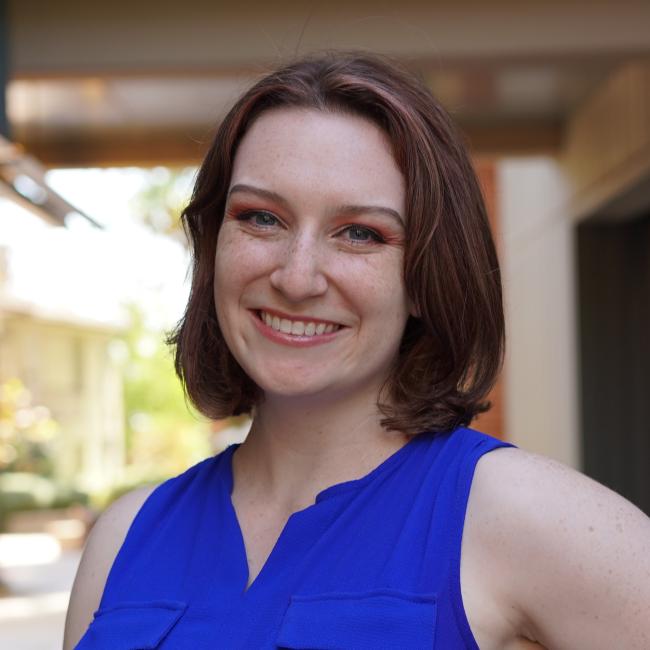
{"type": "Point", "coordinates": [452, 352]}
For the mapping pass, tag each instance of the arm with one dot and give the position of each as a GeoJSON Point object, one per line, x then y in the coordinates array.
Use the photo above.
{"type": "Point", "coordinates": [573, 556]}
{"type": "Point", "coordinates": [104, 541]}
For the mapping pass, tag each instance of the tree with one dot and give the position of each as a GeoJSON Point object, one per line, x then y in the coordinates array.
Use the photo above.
{"type": "Point", "coordinates": [160, 204]}
{"type": "Point", "coordinates": [27, 431]}
{"type": "Point", "coordinates": [164, 433]}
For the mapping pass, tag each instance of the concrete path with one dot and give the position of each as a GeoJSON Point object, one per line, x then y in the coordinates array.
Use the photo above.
{"type": "Point", "coordinates": [38, 575]}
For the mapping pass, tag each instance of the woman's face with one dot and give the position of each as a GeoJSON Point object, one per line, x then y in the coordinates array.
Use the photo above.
{"type": "Point", "coordinates": [308, 279]}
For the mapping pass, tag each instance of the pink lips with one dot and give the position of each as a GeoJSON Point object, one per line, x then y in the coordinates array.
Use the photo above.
{"type": "Point", "coordinates": [293, 340]}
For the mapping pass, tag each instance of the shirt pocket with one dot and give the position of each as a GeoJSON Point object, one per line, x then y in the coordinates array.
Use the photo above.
{"type": "Point", "coordinates": [132, 625]}
{"type": "Point", "coordinates": [381, 619]}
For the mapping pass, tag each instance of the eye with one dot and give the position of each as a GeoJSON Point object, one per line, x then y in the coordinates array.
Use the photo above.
{"type": "Point", "coordinates": [362, 235]}
{"type": "Point", "coordinates": [259, 218]}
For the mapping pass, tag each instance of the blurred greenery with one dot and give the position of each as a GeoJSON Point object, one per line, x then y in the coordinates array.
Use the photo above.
{"type": "Point", "coordinates": [28, 437]}
{"type": "Point", "coordinates": [160, 204]}
{"type": "Point", "coordinates": [27, 431]}
{"type": "Point", "coordinates": [164, 434]}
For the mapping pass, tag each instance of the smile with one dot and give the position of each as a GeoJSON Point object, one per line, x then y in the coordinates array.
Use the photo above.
{"type": "Point", "coordinates": [297, 327]}
{"type": "Point", "coordinates": [305, 332]}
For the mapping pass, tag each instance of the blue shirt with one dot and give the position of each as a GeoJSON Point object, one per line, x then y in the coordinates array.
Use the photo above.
{"type": "Point", "coordinates": [373, 563]}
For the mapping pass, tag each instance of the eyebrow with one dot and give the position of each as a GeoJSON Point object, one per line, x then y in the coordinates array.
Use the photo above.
{"type": "Point", "coordinates": [345, 209]}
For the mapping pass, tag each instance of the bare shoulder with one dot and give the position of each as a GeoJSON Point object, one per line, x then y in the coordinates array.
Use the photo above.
{"type": "Point", "coordinates": [104, 541]}
{"type": "Point", "coordinates": [571, 556]}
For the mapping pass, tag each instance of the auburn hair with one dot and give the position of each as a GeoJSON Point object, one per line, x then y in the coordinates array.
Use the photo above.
{"type": "Point", "coordinates": [451, 354]}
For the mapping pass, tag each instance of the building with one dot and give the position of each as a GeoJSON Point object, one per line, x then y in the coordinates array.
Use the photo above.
{"type": "Point", "coordinates": [554, 98]}
{"type": "Point", "coordinates": [59, 350]}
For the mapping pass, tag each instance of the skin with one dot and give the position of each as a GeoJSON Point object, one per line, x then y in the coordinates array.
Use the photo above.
{"type": "Point", "coordinates": [318, 422]}
{"type": "Point", "coordinates": [308, 252]}
{"type": "Point", "coordinates": [550, 558]}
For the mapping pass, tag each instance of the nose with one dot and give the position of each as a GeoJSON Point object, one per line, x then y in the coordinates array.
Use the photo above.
{"type": "Point", "coordinates": [299, 274]}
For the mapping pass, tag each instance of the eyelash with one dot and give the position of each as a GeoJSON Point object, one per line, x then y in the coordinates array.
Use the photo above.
{"type": "Point", "coordinates": [249, 214]}
{"type": "Point", "coordinates": [374, 236]}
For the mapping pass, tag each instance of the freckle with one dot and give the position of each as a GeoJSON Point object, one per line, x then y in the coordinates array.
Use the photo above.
{"type": "Point", "coordinates": [591, 529]}
{"type": "Point", "coordinates": [619, 528]}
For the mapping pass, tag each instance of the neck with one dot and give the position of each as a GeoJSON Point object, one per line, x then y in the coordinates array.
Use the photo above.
{"type": "Point", "coordinates": [297, 447]}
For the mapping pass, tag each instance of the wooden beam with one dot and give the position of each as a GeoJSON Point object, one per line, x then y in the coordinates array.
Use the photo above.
{"type": "Point", "coordinates": [58, 36]}
{"type": "Point", "coordinates": [608, 141]}
{"type": "Point", "coordinates": [181, 147]}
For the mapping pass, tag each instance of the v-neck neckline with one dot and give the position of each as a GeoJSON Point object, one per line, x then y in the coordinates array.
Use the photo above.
{"type": "Point", "coordinates": [397, 457]}
{"type": "Point", "coordinates": [344, 486]}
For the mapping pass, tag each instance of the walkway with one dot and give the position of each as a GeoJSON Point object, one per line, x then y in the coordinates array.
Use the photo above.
{"type": "Point", "coordinates": [38, 576]}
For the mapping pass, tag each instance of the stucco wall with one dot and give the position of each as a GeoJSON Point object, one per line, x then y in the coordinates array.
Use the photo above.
{"type": "Point", "coordinates": [538, 275]}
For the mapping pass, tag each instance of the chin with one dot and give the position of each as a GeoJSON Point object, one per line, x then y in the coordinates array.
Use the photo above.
{"type": "Point", "coordinates": [316, 389]}
{"type": "Point", "coordinates": [292, 388]}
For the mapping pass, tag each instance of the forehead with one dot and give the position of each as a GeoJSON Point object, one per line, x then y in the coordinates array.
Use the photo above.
{"type": "Point", "coordinates": [292, 149]}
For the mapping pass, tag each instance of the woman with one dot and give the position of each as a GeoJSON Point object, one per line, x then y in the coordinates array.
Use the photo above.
{"type": "Point", "coordinates": [346, 293]}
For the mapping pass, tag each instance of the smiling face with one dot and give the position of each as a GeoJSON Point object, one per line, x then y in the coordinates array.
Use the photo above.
{"type": "Point", "coordinates": [308, 282]}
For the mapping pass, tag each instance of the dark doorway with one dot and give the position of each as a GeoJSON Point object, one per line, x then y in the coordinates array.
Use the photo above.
{"type": "Point", "coordinates": [614, 334]}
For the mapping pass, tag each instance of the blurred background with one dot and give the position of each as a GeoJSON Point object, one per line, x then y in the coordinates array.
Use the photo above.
{"type": "Point", "coordinates": [105, 112]}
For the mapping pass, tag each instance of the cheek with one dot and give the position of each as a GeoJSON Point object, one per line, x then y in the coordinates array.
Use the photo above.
{"type": "Point", "coordinates": [376, 286]}
{"type": "Point", "coordinates": [227, 246]}
{"type": "Point", "coordinates": [223, 275]}
{"type": "Point", "coordinates": [242, 256]}
{"type": "Point", "coordinates": [226, 276]}
{"type": "Point", "coordinates": [233, 262]}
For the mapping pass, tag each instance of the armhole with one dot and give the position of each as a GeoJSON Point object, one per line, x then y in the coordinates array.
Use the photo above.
{"type": "Point", "coordinates": [146, 517]}
{"type": "Point", "coordinates": [137, 515]}
{"type": "Point", "coordinates": [91, 589]}
{"type": "Point", "coordinates": [465, 477]}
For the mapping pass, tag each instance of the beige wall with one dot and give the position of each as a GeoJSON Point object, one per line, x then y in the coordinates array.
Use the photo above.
{"type": "Point", "coordinates": [68, 369]}
{"type": "Point", "coordinates": [603, 172]}
{"type": "Point", "coordinates": [538, 271]}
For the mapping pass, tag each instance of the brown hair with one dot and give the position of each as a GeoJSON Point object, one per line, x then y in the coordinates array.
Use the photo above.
{"type": "Point", "coordinates": [452, 352]}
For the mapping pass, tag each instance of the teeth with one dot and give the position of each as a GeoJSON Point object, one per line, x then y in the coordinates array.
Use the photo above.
{"type": "Point", "coordinates": [297, 328]}
{"type": "Point", "coordinates": [285, 326]}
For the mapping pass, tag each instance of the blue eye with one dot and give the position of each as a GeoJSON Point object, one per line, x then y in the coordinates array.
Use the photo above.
{"type": "Point", "coordinates": [259, 218]}
{"type": "Point", "coordinates": [361, 234]}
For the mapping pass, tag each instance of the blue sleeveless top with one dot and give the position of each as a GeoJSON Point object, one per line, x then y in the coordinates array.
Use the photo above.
{"type": "Point", "coordinates": [374, 563]}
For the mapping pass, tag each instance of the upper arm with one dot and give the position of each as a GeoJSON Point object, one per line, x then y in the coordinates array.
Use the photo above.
{"type": "Point", "coordinates": [104, 541]}
{"type": "Point", "coordinates": [575, 555]}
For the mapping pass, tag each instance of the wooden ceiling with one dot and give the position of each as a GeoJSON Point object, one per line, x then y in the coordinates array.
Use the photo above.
{"type": "Point", "coordinates": [145, 83]}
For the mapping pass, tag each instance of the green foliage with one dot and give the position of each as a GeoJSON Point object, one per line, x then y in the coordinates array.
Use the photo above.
{"type": "Point", "coordinates": [27, 431]}
{"type": "Point", "coordinates": [164, 434]}
{"type": "Point", "coordinates": [159, 206]}
{"type": "Point", "coordinates": [28, 437]}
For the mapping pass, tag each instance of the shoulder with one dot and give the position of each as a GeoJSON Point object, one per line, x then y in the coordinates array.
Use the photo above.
{"type": "Point", "coordinates": [525, 489]}
{"type": "Point", "coordinates": [102, 546]}
{"type": "Point", "coordinates": [572, 556]}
